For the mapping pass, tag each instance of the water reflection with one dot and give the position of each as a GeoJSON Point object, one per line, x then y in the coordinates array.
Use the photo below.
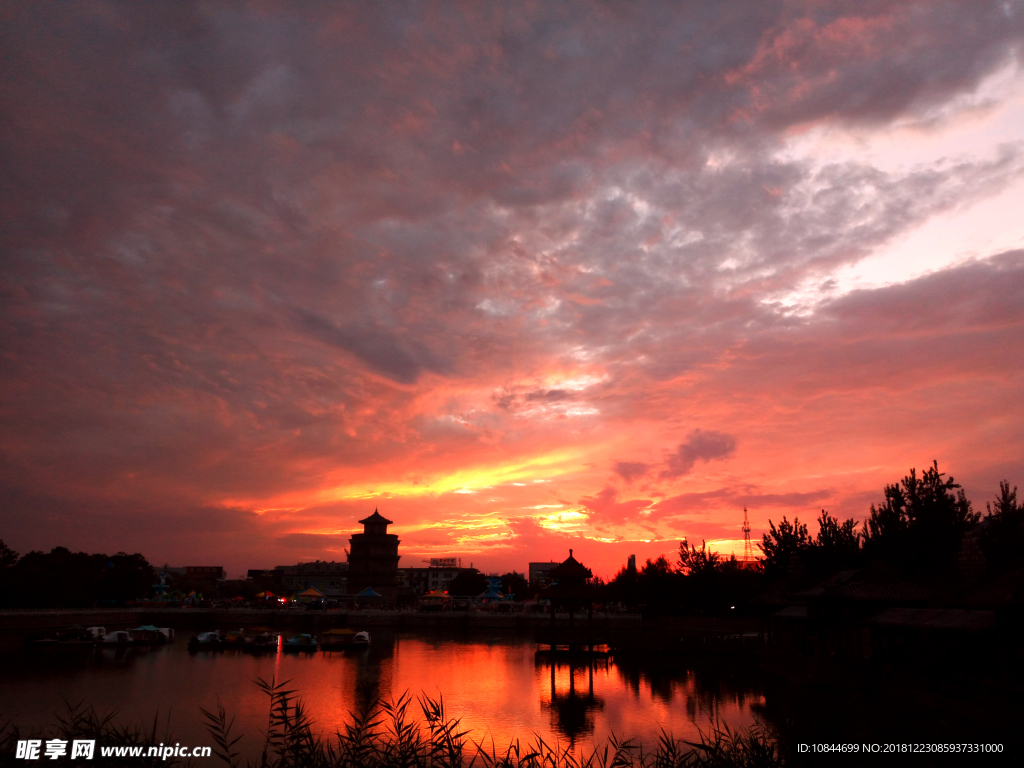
{"type": "Point", "coordinates": [497, 684]}
{"type": "Point", "coordinates": [374, 670]}
{"type": "Point", "coordinates": [708, 690]}
{"type": "Point", "coordinates": [571, 708]}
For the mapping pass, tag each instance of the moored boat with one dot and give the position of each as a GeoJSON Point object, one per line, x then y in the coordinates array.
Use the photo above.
{"type": "Point", "coordinates": [343, 639]}
{"type": "Point", "coordinates": [117, 637]}
{"type": "Point", "coordinates": [205, 641]}
{"type": "Point", "coordinates": [67, 636]}
{"type": "Point", "coordinates": [300, 643]}
{"type": "Point", "coordinates": [147, 634]}
{"type": "Point", "coordinates": [265, 640]}
{"type": "Point", "coordinates": [233, 639]}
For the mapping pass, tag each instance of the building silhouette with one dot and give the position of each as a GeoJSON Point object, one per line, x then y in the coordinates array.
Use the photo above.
{"type": "Point", "coordinates": [538, 575]}
{"type": "Point", "coordinates": [373, 559]}
{"type": "Point", "coordinates": [416, 582]}
{"type": "Point", "coordinates": [331, 578]}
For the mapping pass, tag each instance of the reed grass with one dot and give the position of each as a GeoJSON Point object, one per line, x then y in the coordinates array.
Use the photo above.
{"type": "Point", "coordinates": [83, 722]}
{"type": "Point", "coordinates": [402, 733]}
{"type": "Point", "coordinates": [392, 734]}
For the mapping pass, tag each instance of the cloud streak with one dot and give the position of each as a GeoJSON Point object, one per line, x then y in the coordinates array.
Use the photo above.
{"type": "Point", "coordinates": [700, 445]}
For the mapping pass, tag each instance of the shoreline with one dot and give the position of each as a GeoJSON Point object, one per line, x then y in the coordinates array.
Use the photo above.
{"type": "Point", "coordinates": [189, 618]}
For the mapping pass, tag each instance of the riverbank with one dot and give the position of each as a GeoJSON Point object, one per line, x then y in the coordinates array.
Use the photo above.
{"type": "Point", "coordinates": [20, 622]}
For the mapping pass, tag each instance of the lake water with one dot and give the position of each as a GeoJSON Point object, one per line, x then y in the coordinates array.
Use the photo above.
{"type": "Point", "coordinates": [495, 683]}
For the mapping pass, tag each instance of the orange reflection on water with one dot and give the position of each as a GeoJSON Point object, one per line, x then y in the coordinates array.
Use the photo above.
{"type": "Point", "coordinates": [498, 686]}
{"type": "Point", "coordinates": [500, 690]}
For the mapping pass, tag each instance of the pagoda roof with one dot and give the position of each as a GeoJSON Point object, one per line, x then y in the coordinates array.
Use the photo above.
{"type": "Point", "coordinates": [571, 581]}
{"type": "Point", "coordinates": [376, 517]}
{"type": "Point", "coordinates": [573, 568]}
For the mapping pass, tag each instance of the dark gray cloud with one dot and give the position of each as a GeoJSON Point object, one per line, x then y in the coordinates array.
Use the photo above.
{"type": "Point", "coordinates": [380, 349]}
{"type": "Point", "coordinates": [738, 497]}
{"type": "Point", "coordinates": [700, 445]}
{"type": "Point", "coordinates": [631, 470]}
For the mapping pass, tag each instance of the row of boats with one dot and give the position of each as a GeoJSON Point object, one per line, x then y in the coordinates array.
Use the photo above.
{"type": "Point", "coordinates": [264, 640]}
{"type": "Point", "coordinates": [146, 634]}
{"type": "Point", "coordinates": [258, 640]}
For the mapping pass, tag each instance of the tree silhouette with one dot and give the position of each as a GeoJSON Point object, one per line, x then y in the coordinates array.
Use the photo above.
{"type": "Point", "coordinates": [624, 586]}
{"type": "Point", "coordinates": [66, 579]}
{"type": "Point", "coordinates": [693, 561]}
{"type": "Point", "coordinates": [515, 584]}
{"type": "Point", "coordinates": [1002, 540]}
{"type": "Point", "coordinates": [8, 557]}
{"type": "Point", "coordinates": [657, 581]}
{"type": "Point", "coordinates": [921, 523]}
{"type": "Point", "coordinates": [468, 582]}
{"type": "Point", "coordinates": [837, 545]}
{"type": "Point", "coordinates": [780, 544]}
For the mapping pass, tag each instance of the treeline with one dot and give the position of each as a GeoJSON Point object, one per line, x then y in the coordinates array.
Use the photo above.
{"type": "Point", "coordinates": [471, 581]}
{"type": "Point", "coordinates": [65, 579]}
{"type": "Point", "coordinates": [925, 529]}
{"type": "Point", "coordinates": [699, 581]}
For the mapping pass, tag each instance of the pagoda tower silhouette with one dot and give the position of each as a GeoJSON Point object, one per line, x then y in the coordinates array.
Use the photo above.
{"type": "Point", "coordinates": [373, 559]}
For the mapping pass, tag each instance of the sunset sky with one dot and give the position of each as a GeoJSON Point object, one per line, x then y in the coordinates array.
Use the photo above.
{"type": "Point", "coordinates": [523, 276]}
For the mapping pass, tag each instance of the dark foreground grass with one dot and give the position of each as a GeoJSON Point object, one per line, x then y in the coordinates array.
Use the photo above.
{"type": "Point", "coordinates": [406, 733]}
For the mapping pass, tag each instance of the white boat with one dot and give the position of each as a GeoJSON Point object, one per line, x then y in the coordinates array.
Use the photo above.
{"type": "Point", "coordinates": [118, 637]}
{"type": "Point", "coordinates": [342, 639]}
{"type": "Point", "coordinates": [205, 641]}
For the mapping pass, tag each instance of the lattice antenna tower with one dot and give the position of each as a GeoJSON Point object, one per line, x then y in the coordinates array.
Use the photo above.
{"type": "Point", "coordinates": [748, 551]}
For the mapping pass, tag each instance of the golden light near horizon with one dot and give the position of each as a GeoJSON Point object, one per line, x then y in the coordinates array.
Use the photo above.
{"type": "Point", "coordinates": [550, 465]}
